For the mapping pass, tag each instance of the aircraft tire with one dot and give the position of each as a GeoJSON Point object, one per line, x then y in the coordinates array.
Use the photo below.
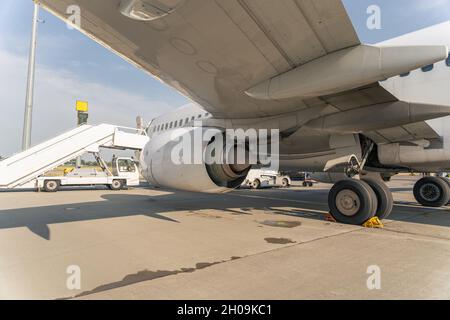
{"type": "Point", "coordinates": [432, 192]}
{"type": "Point", "coordinates": [384, 197]}
{"type": "Point", "coordinates": [447, 180]}
{"type": "Point", "coordinates": [352, 201]}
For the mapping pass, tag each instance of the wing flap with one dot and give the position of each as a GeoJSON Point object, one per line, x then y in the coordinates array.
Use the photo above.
{"type": "Point", "coordinates": [406, 133]}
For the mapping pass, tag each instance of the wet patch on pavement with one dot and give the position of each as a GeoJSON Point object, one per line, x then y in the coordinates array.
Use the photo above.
{"type": "Point", "coordinates": [279, 240]}
{"type": "Point", "coordinates": [281, 224]}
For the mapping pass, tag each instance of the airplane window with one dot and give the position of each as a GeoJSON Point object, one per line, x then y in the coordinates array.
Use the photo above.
{"type": "Point", "coordinates": [171, 124]}
{"type": "Point", "coordinates": [447, 61]}
{"type": "Point", "coordinates": [175, 124]}
{"type": "Point", "coordinates": [193, 118]}
{"type": "Point", "coordinates": [405, 74]}
{"type": "Point", "coordinates": [166, 126]}
{"type": "Point", "coordinates": [180, 123]}
{"type": "Point", "coordinates": [199, 116]}
{"type": "Point", "coordinates": [428, 68]}
{"type": "Point", "coordinates": [186, 121]}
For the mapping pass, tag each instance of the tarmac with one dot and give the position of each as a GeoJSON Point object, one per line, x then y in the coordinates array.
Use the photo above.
{"type": "Point", "coordinates": [147, 243]}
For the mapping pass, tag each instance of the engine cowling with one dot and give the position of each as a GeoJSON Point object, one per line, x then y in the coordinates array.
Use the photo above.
{"type": "Point", "coordinates": [328, 177]}
{"type": "Point", "coordinates": [176, 159]}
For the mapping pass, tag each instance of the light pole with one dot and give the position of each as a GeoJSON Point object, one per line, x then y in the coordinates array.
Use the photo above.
{"type": "Point", "coordinates": [26, 138]}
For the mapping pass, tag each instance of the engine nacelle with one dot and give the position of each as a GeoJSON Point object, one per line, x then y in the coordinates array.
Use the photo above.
{"type": "Point", "coordinates": [176, 159]}
{"type": "Point", "coordinates": [328, 177]}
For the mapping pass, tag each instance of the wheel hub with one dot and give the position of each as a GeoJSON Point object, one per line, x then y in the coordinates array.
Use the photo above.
{"type": "Point", "coordinates": [347, 202]}
{"type": "Point", "coordinates": [430, 192]}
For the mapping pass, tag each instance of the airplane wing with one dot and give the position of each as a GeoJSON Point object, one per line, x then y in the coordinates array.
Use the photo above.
{"type": "Point", "coordinates": [214, 50]}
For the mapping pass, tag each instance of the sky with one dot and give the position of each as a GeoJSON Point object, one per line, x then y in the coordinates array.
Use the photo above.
{"type": "Point", "coordinates": [72, 67]}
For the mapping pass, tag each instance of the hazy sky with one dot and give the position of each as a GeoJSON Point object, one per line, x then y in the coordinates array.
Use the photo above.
{"type": "Point", "coordinates": [70, 66]}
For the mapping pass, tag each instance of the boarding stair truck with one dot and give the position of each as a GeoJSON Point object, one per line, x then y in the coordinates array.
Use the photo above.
{"type": "Point", "coordinates": [27, 169]}
{"type": "Point", "coordinates": [124, 173]}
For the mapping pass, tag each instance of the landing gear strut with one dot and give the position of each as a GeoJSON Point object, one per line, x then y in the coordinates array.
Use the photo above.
{"type": "Point", "coordinates": [356, 201]}
{"type": "Point", "coordinates": [432, 191]}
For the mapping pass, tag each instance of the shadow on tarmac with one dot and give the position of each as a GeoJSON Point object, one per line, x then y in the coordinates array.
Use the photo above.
{"type": "Point", "coordinates": [308, 203]}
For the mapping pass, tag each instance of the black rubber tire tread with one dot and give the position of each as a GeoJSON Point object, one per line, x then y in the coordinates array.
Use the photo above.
{"type": "Point", "coordinates": [441, 184]}
{"type": "Point", "coordinates": [384, 197]}
{"type": "Point", "coordinates": [366, 196]}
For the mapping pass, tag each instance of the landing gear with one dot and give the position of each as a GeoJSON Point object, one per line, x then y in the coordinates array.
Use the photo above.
{"type": "Point", "coordinates": [356, 201]}
{"type": "Point", "coordinates": [384, 197]}
{"type": "Point", "coordinates": [432, 192]}
{"type": "Point", "coordinates": [447, 180]}
{"type": "Point", "coordinates": [352, 201]}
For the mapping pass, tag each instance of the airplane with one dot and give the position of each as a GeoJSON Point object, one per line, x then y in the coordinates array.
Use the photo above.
{"type": "Point", "coordinates": [355, 114]}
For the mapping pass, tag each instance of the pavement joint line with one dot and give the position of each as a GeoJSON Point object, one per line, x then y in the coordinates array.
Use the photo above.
{"type": "Point", "coordinates": [231, 260]}
{"type": "Point", "coordinates": [401, 204]}
{"type": "Point", "coordinates": [408, 219]}
{"type": "Point", "coordinates": [413, 233]}
{"type": "Point", "coordinates": [275, 198]}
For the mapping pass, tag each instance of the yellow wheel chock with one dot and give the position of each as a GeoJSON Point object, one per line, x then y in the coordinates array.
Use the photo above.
{"type": "Point", "coordinates": [373, 223]}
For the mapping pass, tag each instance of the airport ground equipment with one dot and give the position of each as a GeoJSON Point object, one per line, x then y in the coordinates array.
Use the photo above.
{"type": "Point", "coordinates": [374, 222]}
{"type": "Point", "coordinates": [22, 170]}
{"type": "Point", "coordinates": [124, 173]}
{"type": "Point", "coordinates": [260, 178]}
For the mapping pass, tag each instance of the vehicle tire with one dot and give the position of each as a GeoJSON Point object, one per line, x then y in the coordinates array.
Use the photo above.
{"type": "Point", "coordinates": [51, 185]}
{"type": "Point", "coordinates": [384, 197]}
{"type": "Point", "coordinates": [447, 180]}
{"type": "Point", "coordinates": [305, 184]}
{"type": "Point", "coordinates": [116, 185]}
{"type": "Point", "coordinates": [432, 192]}
{"type": "Point", "coordinates": [285, 183]}
{"type": "Point", "coordinates": [256, 184]}
{"type": "Point", "coordinates": [310, 184]}
{"type": "Point", "coordinates": [352, 201]}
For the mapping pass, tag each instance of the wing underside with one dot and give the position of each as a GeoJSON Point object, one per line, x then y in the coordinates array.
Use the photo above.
{"type": "Point", "coordinates": [214, 50]}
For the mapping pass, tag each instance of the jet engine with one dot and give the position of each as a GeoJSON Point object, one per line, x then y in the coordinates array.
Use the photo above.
{"type": "Point", "coordinates": [328, 177]}
{"type": "Point", "coordinates": [195, 159]}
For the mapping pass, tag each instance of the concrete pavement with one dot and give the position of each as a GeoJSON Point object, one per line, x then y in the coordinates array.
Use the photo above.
{"type": "Point", "coordinates": [249, 244]}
